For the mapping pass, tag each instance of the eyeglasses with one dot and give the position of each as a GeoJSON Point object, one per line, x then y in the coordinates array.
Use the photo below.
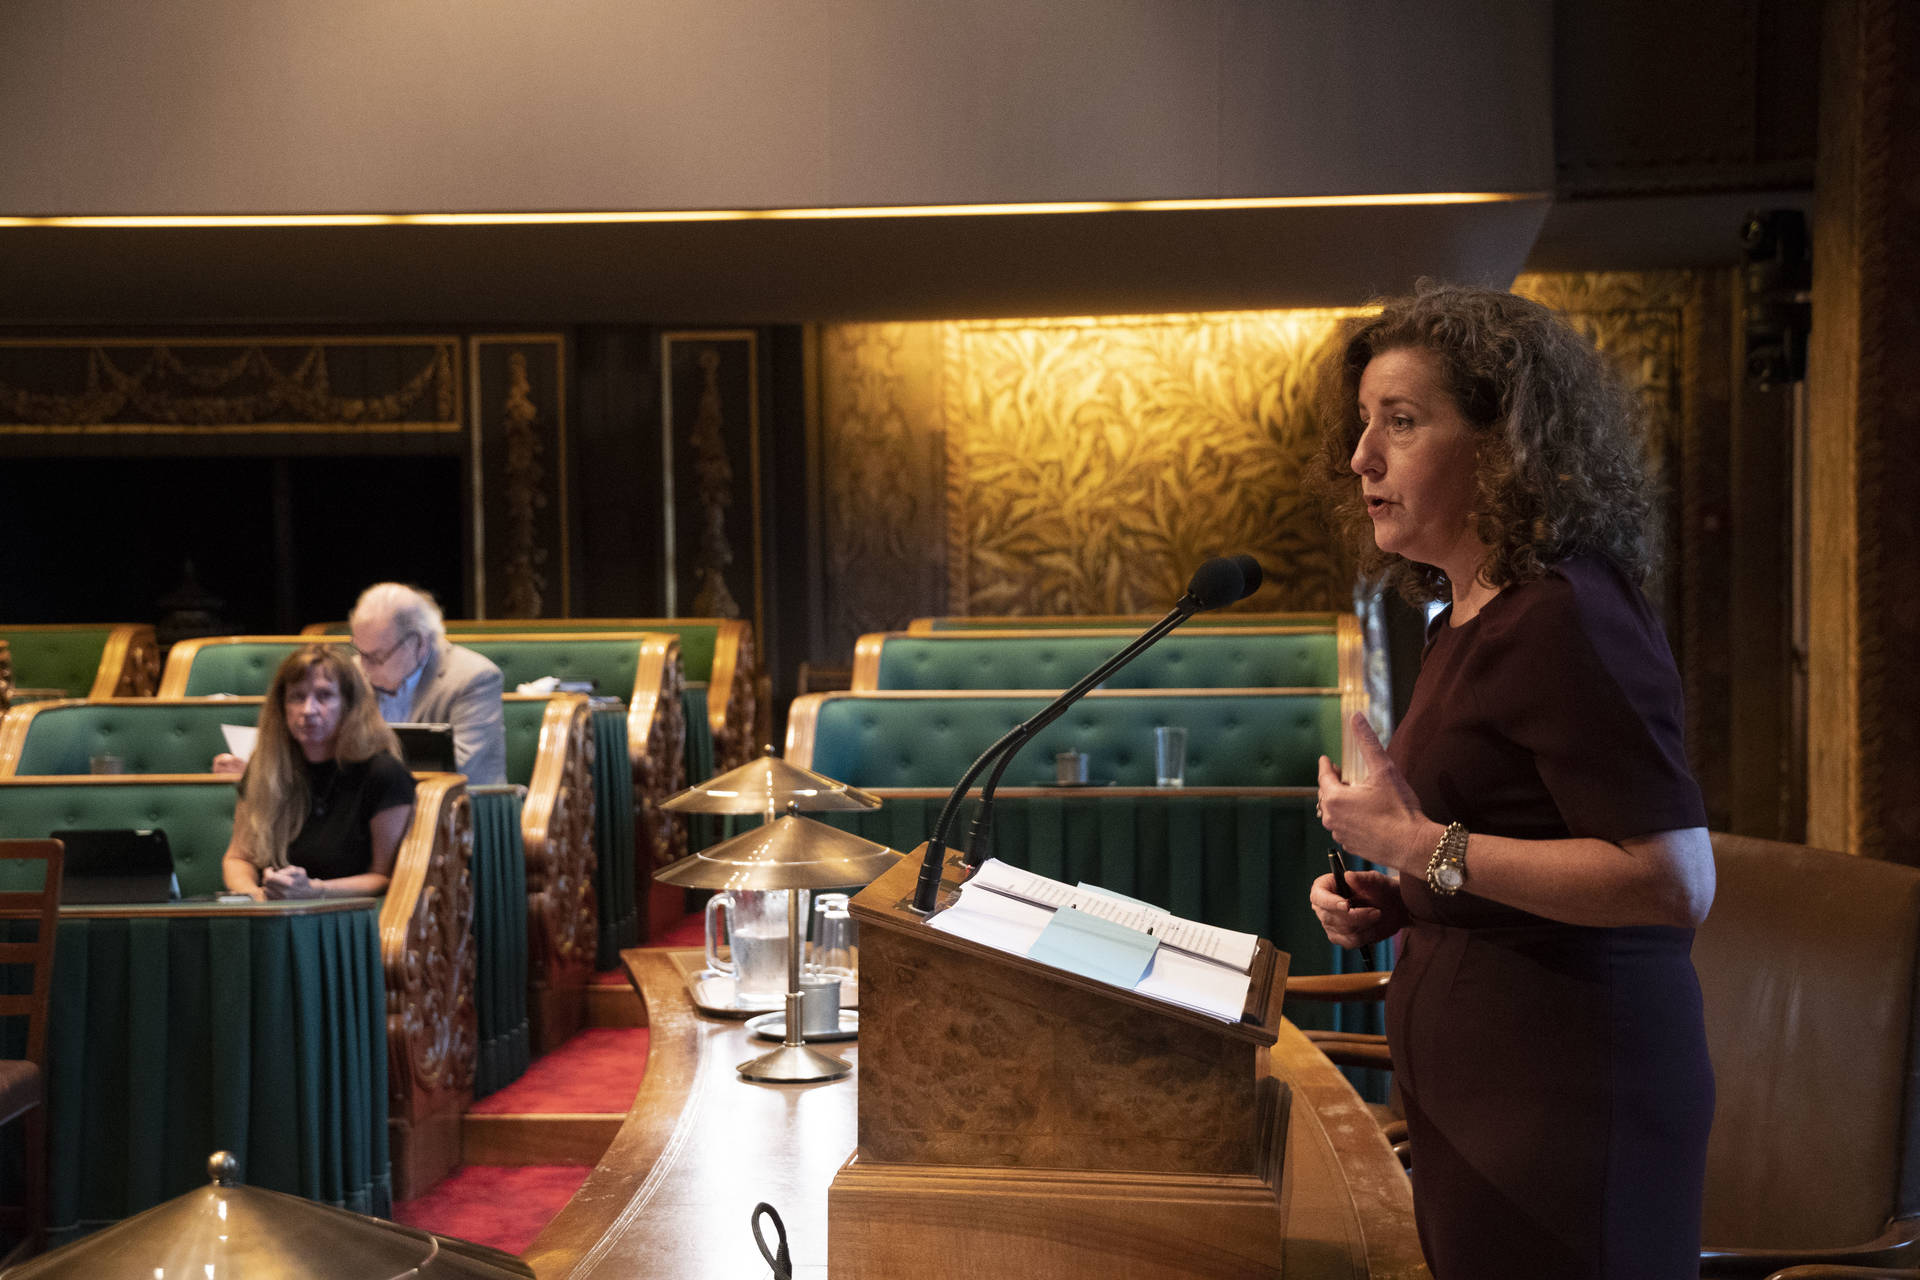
{"type": "Point", "coordinates": [377, 659]}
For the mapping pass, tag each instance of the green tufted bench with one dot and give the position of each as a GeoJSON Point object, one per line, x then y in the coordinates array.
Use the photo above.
{"type": "Point", "coordinates": [425, 929]}
{"type": "Point", "coordinates": [81, 660]}
{"type": "Point", "coordinates": [642, 669]}
{"type": "Point", "coordinates": [1135, 622]}
{"type": "Point", "coordinates": [717, 653]}
{"type": "Point", "coordinates": [241, 665]}
{"type": "Point", "coordinates": [1235, 737]}
{"type": "Point", "coordinates": [196, 812]}
{"type": "Point", "coordinates": [149, 735]}
{"type": "Point", "coordinates": [1191, 658]}
{"type": "Point", "coordinates": [1238, 846]}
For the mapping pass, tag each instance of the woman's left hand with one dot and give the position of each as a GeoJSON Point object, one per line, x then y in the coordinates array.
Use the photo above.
{"type": "Point", "coordinates": [289, 882]}
{"type": "Point", "coordinates": [1377, 818]}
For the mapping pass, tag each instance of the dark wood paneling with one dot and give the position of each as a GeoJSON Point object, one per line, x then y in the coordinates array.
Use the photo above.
{"type": "Point", "coordinates": [614, 442]}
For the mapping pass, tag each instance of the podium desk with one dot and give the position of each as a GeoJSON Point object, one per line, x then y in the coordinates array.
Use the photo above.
{"type": "Point", "coordinates": [700, 1147]}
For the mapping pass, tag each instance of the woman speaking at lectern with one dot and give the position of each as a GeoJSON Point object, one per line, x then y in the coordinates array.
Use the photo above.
{"type": "Point", "coordinates": [1547, 842]}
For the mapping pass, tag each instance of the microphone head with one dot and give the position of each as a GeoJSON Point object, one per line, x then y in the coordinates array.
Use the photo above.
{"type": "Point", "coordinates": [1219, 581]}
{"type": "Point", "coordinates": [1250, 574]}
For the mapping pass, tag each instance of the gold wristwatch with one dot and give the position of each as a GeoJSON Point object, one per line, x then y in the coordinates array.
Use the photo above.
{"type": "Point", "coordinates": [1447, 868]}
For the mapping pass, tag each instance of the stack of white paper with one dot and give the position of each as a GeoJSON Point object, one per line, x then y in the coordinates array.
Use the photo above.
{"type": "Point", "coordinates": [1194, 965]}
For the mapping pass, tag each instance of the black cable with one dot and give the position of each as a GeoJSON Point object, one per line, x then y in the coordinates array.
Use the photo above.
{"type": "Point", "coordinates": [780, 1260]}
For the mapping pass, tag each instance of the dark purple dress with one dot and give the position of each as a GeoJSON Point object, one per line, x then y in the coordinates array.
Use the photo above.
{"type": "Point", "coordinates": [1556, 1080]}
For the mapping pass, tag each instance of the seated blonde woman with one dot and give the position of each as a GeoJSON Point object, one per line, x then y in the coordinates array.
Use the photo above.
{"type": "Point", "coordinates": [324, 800]}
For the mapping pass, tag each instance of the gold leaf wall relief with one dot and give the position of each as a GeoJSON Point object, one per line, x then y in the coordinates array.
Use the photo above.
{"type": "Point", "coordinates": [1095, 462]}
{"type": "Point", "coordinates": [1090, 464]}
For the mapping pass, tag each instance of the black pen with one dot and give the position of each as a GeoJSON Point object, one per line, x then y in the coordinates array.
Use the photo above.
{"type": "Point", "coordinates": [1339, 865]}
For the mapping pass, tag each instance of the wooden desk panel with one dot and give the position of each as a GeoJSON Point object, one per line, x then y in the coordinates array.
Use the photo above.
{"type": "Point", "coordinates": [672, 1197]}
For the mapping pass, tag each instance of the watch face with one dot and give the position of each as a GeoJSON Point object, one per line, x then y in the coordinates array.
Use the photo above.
{"type": "Point", "coordinates": [1449, 876]}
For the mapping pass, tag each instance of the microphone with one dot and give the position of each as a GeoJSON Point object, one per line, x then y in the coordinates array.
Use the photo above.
{"type": "Point", "coordinates": [1220, 581]}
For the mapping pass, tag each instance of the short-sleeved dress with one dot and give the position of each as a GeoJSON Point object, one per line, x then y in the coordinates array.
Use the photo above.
{"type": "Point", "coordinates": [1556, 1080]}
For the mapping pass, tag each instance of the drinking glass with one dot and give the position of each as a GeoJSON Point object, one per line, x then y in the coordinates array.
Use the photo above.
{"type": "Point", "coordinates": [1170, 756]}
{"type": "Point", "coordinates": [834, 938]}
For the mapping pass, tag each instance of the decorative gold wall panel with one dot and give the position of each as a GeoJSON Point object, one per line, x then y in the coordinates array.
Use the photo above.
{"type": "Point", "coordinates": [1093, 463]}
{"type": "Point", "coordinates": [521, 564]}
{"type": "Point", "coordinates": [198, 386]}
{"type": "Point", "coordinates": [1090, 464]}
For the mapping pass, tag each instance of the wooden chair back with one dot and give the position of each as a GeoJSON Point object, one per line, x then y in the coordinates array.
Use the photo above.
{"type": "Point", "coordinates": [29, 892]}
{"type": "Point", "coordinates": [42, 906]}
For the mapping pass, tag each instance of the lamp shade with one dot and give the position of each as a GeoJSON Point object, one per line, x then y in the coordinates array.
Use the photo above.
{"type": "Point", "coordinates": [791, 852]}
{"type": "Point", "coordinates": [225, 1232]}
{"type": "Point", "coordinates": [769, 785]}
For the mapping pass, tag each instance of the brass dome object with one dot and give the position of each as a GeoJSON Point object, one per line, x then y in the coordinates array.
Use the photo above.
{"type": "Point", "coordinates": [223, 1231]}
{"type": "Point", "coordinates": [791, 852]}
{"type": "Point", "coordinates": [769, 785]}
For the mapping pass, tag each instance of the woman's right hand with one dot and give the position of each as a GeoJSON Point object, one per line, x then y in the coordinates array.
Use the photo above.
{"type": "Point", "coordinates": [1376, 911]}
{"type": "Point", "coordinates": [229, 765]}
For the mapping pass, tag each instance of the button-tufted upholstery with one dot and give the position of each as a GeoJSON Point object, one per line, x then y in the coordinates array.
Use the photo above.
{"type": "Point", "coordinates": [1231, 659]}
{"type": "Point", "coordinates": [149, 735]}
{"type": "Point", "coordinates": [246, 665]}
{"type": "Point", "coordinates": [1235, 738]}
{"type": "Point", "coordinates": [68, 657]}
{"type": "Point", "coordinates": [1125, 621]}
{"type": "Point", "coordinates": [700, 638]}
{"type": "Point", "coordinates": [610, 663]}
{"type": "Point", "coordinates": [199, 668]}
{"type": "Point", "coordinates": [196, 814]}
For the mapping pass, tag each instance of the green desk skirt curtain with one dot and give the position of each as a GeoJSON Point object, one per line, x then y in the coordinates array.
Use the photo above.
{"type": "Point", "coordinates": [499, 872]}
{"type": "Point", "coordinates": [1238, 861]}
{"type": "Point", "coordinates": [179, 1031]}
{"type": "Point", "coordinates": [613, 840]}
{"type": "Point", "coordinates": [703, 829]}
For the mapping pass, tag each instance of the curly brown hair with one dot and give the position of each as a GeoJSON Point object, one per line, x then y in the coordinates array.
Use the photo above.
{"type": "Point", "coordinates": [1561, 467]}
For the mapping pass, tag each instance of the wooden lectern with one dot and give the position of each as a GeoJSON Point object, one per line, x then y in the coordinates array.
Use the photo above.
{"type": "Point", "coordinates": [1019, 1121]}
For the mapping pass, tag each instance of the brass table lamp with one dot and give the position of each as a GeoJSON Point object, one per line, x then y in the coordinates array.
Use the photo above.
{"type": "Point", "coordinates": [769, 786]}
{"type": "Point", "coordinates": [227, 1232]}
{"type": "Point", "coordinates": [791, 853]}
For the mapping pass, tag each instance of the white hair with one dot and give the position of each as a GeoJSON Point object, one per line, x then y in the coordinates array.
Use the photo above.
{"type": "Point", "coordinates": [411, 610]}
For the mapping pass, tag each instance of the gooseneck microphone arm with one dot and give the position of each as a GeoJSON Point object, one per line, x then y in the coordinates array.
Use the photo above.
{"type": "Point", "coordinates": [1219, 581]}
{"type": "Point", "coordinates": [979, 835]}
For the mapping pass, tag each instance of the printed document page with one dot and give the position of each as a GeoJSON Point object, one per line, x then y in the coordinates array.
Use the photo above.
{"type": "Point", "coordinates": [1223, 946]}
{"type": "Point", "coordinates": [1009, 909]}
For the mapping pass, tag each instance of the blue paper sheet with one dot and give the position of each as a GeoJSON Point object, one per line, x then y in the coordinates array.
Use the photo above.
{"type": "Point", "coordinates": [1094, 948]}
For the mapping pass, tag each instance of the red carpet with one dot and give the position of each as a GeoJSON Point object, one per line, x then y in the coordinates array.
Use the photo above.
{"type": "Point", "coordinates": [597, 1071]}
{"type": "Point", "coordinates": [502, 1206]}
{"type": "Point", "coordinates": [690, 932]}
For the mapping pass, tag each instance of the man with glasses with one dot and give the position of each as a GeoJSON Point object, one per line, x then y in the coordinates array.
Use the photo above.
{"type": "Point", "coordinates": [420, 676]}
